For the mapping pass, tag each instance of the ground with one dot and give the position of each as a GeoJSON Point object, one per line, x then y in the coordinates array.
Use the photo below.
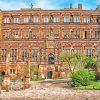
{"type": "Point", "coordinates": [51, 90]}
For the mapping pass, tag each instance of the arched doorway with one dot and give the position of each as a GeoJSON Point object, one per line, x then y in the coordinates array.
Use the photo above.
{"type": "Point", "coordinates": [1, 76]}
{"type": "Point", "coordinates": [51, 58]}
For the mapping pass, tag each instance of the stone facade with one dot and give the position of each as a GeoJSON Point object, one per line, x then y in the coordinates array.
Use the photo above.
{"type": "Point", "coordinates": [43, 34]}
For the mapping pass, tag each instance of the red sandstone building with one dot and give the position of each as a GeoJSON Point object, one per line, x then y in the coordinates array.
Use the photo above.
{"type": "Point", "coordinates": [42, 35]}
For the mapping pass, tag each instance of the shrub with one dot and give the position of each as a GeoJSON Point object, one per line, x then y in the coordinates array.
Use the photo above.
{"type": "Point", "coordinates": [34, 69]}
{"type": "Point", "coordinates": [82, 77]}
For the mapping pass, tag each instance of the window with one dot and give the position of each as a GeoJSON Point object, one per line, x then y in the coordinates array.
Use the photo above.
{"type": "Point", "coordinates": [87, 35]}
{"type": "Point", "coordinates": [66, 19]}
{"type": "Point", "coordinates": [86, 20]}
{"type": "Point", "coordinates": [97, 33]}
{"type": "Point", "coordinates": [26, 20]}
{"type": "Point", "coordinates": [51, 58]}
{"type": "Point", "coordinates": [95, 20]}
{"type": "Point", "coordinates": [26, 35]}
{"type": "Point", "coordinates": [24, 54]}
{"type": "Point", "coordinates": [43, 55]}
{"type": "Point", "coordinates": [13, 54]}
{"type": "Point", "coordinates": [5, 35]}
{"type": "Point", "coordinates": [56, 36]}
{"type": "Point", "coordinates": [15, 20]}
{"type": "Point", "coordinates": [97, 52]}
{"type": "Point", "coordinates": [34, 36]}
{"type": "Point", "coordinates": [4, 54]}
{"type": "Point", "coordinates": [36, 19]}
{"type": "Point", "coordinates": [66, 35]}
{"type": "Point", "coordinates": [77, 35]}
{"type": "Point", "coordinates": [76, 19]}
{"type": "Point", "coordinates": [46, 20]}
{"type": "Point", "coordinates": [88, 51]}
{"type": "Point", "coordinates": [67, 50]}
{"type": "Point", "coordinates": [6, 20]}
{"type": "Point", "coordinates": [77, 50]}
{"type": "Point", "coordinates": [55, 19]}
{"type": "Point", "coordinates": [12, 71]}
{"type": "Point", "coordinates": [16, 35]}
{"type": "Point", "coordinates": [34, 54]}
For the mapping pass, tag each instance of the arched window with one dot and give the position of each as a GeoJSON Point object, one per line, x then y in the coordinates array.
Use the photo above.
{"type": "Point", "coordinates": [51, 58]}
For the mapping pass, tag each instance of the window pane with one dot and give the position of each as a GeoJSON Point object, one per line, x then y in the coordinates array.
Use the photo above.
{"type": "Point", "coordinates": [26, 20]}
{"type": "Point", "coordinates": [24, 54]}
{"type": "Point", "coordinates": [55, 20]}
{"type": "Point", "coordinates": [66, 19]}
{"type": "Point", "coordinates": [36, 19]}
{"type": "Point", "coordinates": [86, 20]}
{"type": "Point", "coordinates": [76, 19]}
{"type": "Point", "coordinates": [88, 51]}
{"type": "Point", "coordinates": [46, 20]}
{"type": "Point", "coordinates": [4, 54]}
{"type": "Point", "coordinates": [16, 20]}
{"type": "Point", "coordinates": [6, 20]}
{"type": "Point", "coordinates": [34, 54]}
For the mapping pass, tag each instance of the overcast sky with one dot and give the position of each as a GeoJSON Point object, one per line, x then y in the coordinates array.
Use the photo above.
{"type": "Point", "coordinates": [47, 4]}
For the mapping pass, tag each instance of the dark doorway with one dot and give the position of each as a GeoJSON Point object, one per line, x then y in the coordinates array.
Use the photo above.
{"type": "Point", "coordinates": [3, 72]}
{"type": "Point", "coordinates": [1, 76]}
{"type": "Point", "coordinates": [51, 58]}
{"type": "Point", "coordinates": [49, 74]}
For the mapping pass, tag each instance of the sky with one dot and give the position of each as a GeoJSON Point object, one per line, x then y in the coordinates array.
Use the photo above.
{"type": "Point", "coordinates": [47, 4]}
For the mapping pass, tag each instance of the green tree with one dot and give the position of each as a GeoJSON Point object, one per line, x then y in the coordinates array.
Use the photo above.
{"type": "Point", "coordinates": [72, 61]}
{"type": "Point", "coordinates": [35, 70]}
{"type": "Point", "coordinates": [90, 62]}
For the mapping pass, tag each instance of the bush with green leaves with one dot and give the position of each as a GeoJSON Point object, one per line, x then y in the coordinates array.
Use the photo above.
{"type": "Point", "coordinates": [82, 77]}
{"type": "Point", "coordinates": [34, 69]}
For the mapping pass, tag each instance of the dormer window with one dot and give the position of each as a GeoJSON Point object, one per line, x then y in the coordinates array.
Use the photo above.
{"type": "Point", "coordinates": [45, 19]}
{"type": "Point", "coordinates": [56, 36]}
{"type": "Point", "coordinates": [66, 19]}
{"type": "Point", "coordinates": [86, 20]}
{"type": "Point", "coordinates": [76, 19]}
{"type": "Point", "coordinates": [95, 20]}
{"type": "Point", "coordinates": [36, 19]}
{"type": "Point", "coordinates": [15, 20]}
{"type": "Point", "coordinates": [55, 19]}
{"type": "Point", "coordinates": [6, 20]}
{"type": "Point", "coordinates": [26, 20]}
{"type": "Point", "coordinates": [34, 36]}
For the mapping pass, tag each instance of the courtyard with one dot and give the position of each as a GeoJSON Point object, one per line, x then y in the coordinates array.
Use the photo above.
{"type": "Point", "coordinates": [51, 90]}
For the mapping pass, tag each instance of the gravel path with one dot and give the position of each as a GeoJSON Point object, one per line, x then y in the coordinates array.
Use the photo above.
{"type": "Point", "coordinates": [51, 90]}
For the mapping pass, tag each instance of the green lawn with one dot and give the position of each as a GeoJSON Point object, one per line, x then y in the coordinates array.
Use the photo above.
{"type": "Point", "coordinates": [93, 85]}
{"type": "Point", "coordinates": [36, 79]}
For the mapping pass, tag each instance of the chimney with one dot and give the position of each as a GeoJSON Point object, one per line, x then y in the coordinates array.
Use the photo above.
{"type": "Point", "coordinates": [71, 6]}
{"type": "Point", "coordinates": [80, 6]}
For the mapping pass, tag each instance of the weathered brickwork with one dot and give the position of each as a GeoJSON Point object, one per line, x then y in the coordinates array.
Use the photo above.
{"type": "Point", "coordinates": [43, 34]}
